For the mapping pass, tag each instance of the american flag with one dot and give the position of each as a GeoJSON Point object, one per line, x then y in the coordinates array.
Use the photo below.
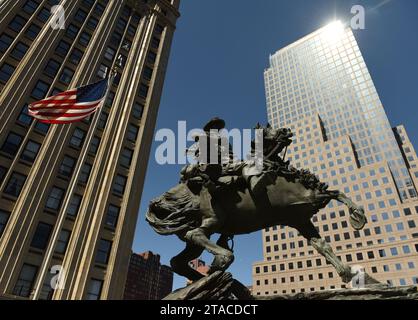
{"type": "Point", "coordinates": [70, 106]}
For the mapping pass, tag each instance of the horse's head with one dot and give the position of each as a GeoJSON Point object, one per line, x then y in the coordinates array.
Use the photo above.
{"type": "Point", "coordinates": [275, 140]}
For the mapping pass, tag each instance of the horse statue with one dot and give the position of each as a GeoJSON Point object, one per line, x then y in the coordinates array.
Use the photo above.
{"type": "Point", "coordinates": [290, 197]}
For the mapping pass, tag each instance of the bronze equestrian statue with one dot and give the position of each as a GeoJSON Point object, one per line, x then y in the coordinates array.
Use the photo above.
{"type": "Point", "coordinates": [227, 200]}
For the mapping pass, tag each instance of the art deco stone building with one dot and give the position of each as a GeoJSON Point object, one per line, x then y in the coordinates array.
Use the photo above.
{"type": "Point", "coordinates": [320, 87]}
{"type": "Point", "coordinates": [38, 162]}
{"type": "Point", "coordinates": [147, 278]}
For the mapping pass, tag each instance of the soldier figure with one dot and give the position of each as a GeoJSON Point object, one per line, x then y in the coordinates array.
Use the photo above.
{"type": "Point", "coordinates": [219, 172]}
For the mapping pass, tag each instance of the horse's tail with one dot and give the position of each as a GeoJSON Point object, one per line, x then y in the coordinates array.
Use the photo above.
{"type": "Point", "coordinates": [176, 211]}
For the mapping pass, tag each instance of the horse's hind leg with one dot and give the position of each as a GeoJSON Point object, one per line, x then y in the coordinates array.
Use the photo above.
{"type": "Point", "coordinates": [311, 234]}
{"type": "Point", "coordinates": [180, 263]}
{"type": "Point", "coordinates": [223, 257]}
{"type": "Point", "coordinates": [357, 217]}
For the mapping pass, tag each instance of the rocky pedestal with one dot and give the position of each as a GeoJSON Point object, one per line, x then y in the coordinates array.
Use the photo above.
{"type": "Point", "coordinates": [394, 293]}
{"type": "Point", "coordinates": [222, 286]}
{"type": "Point", "coordinates": [217, 286]}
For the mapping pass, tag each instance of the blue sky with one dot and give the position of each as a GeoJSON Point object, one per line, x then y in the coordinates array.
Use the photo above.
{"type": "Point", "coordinates": [219, 53]}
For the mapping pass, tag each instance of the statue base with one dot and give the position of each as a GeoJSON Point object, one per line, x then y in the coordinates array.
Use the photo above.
{"type": "Point", "coordinates": [217, 286]}
{"type": "Point", "coordinates": [368, 293]}
{"type": "Point", "coordinates": [222, 286]}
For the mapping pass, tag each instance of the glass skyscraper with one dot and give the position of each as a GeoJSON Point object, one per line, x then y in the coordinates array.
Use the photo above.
{"type": "Point", "coordinates": [320, 87]}
{"type": "Point", "coordinates": [324, 73]}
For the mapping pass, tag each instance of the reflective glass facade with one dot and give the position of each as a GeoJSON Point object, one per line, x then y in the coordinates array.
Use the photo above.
{"type": "Point", "coordinates": [324, 73]}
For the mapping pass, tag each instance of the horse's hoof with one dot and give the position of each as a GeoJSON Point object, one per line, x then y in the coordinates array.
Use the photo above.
{"type": "Point", "coordinates": [221, 262]}
{"type": "Point", "coordinates": [357, 219]}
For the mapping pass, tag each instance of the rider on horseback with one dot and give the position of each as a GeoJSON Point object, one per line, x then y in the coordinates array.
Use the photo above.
{"type": "Point", "coordinates": [214, 172]}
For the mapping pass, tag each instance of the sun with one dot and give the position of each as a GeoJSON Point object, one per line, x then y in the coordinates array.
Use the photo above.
{"type": "Point", "coordinates": [333, 31]}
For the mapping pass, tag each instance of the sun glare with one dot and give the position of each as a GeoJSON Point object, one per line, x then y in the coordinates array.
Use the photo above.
{"type": "Point", "coordinates": [334, 31]}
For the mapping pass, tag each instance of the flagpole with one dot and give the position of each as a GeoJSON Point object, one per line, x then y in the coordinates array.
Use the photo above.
{"type": "Point", "coordinates": [73, 184]}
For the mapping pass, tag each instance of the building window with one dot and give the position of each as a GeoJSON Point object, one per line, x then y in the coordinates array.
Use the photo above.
{"type": "Point", "coordinates": [80, 16]}
{"type": "Point", "coordinates": [62, 241]}
{"type": "Point", "coordinates": [31, 151]}
{"type": "Point", "coordinates": [119, 184]}
{"type": "Point", "coordinates": [41, 236]}
{"type": "Point", "coordinates": [55, 198]}
{"type": "Point", "coordinates": [88, 3]}
{"type": "Point", "coordinates": [44, 14]}
{"type": "Point", "coordinates": [42, 127]}
{"type": "Point", "coordinates": [67, 166]}
{"type": "Point", "coordinates": [24, 117]}
{"type": "Point", "coordinates": [159, 29]}
{"type": "Point", "coordinates": [132, 132]}
{"type": "Point", "coordinates": [5, 42]}
{"type": "Point", "coordinates": [102, 71]}
{"type": "Point", "coordinates": [76, 56]}
{"type": "Point", "coordinates": [77, 138]}
{"type": "Point", "coordinates": [33, 31]}
{"type": "Point", "coordinates": [126, 157]}
{"type": "Point", "coordinates": [112, 216]}
{"type": "Point", "coordinates": [12, 144]}
{"type": "Point", "coordinates": [99, 9]}
{"type": "Point", "coordinates": [103, 251]}
{"type": "Point", "coordinates": [95, 290]}
{"type": "Point", "coordinates": [72, 31]}
{"type": "Point", "coordinates": [92, 23]}
{"type": "Point", "coordinates": [370, 255]}
{"type": "Point", "coordinates": [148, 73]}
{"type": "Point", "coordinates": [84, 39]}
{"type": "Point", "coordinates": [131, 30]}
{"type": "Point", "coordinates": [74, 205]}
{"type": "Point", "coordinates": [102, 120]}
{"type": "Point", "coordinates": [137, 110]}
{"type": "Point", "coordinates": [109, 54]}
{"type": "Point", "coordinates": [40, 90]}
{"type": "Point", "coordinates": [406, 250]}
{"type": "Point", "coordinates": [151, 57]}
{"type": "Point", "coordinates": [25, 281]}
{"type": "Point", "coordinates": [121, 24]}
{"type": "Point", "coordinates": [19, 51]}
{"type": "Point", "coordinates": [6, 72]}
{"type": "Point", "coordinates": [3, 171]}
{"type": "Point", "coordinates": [4, 217]}
{"type": "Point", "coordinates": [155, 43]}
{"type": "Point", "coordinates": [85, 173]}
{"type": "Point", "coordinates": [17, 24]}
{"type": "Point", "coordinates": [62, 48]}
{"type": "Point", "coordinates": [52, 68]}
{"type": "Point", "coordinates": [94, 146]}
{"type": "Point", "coordinates": [66, 75]}
{"type": "Point", "coordinates": [15, 184]}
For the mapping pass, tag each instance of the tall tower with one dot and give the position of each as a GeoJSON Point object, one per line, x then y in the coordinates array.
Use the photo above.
{"type": "Point", "coordinates": [38, 161]}
{"type": "Point", "coordinates": [320, 87]}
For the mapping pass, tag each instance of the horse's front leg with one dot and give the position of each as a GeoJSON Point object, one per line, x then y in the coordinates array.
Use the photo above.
{"type": "Point", "coordinates": [211, 224]}
{"type": "Point", "coordinates": [311, 234]}
{"type": "Point", "coordinates": [357, 217]}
